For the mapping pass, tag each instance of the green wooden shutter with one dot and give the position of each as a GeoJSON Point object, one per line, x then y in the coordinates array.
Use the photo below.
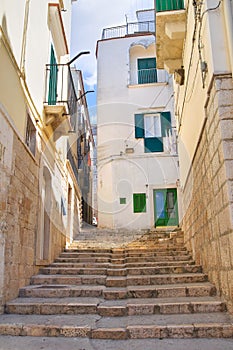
{"type": "Point", "coordinates": [139, 202]}
{"type": "Point", "coordinates": [139, 126]}
{"type": "Point", "coordinates": [153, 144]}
{"type": "Point", "coordinates": [52, 96]}
{"type": "Point", "coordinates": [165, 122]}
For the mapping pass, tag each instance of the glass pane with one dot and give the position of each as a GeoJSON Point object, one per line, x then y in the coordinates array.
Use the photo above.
{"type": "Point", "coordinates": [170, 200]}
{"type": "Point", "coordinates": [160, 203]}
{"type": "Point", "coordinates": [152, 126]}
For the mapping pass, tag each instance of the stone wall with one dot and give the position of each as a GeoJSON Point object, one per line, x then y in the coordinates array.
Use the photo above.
{"type": "Point", "coordinates": [19, 214]}
{"type": "Point", "coordinates": [208, 193]}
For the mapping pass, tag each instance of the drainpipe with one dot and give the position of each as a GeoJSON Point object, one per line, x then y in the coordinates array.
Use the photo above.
{"type": "Point", "coordinates": [24, 41]}
{"type": "Point", "coordinates": [229, 29]}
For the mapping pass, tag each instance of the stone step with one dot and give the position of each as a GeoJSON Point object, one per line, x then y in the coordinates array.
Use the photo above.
{"type": "Point", "coordinates": [133, 252]}
{"type": "Point", "coordinates": [101, 280]}
{"type": "Point", "coordinates": [131, 327]}
{"type": "Point", "coordinates": [130, 271]}
{"type": "Point", "coordinates": [158, 291]}
{"type": "Point", "coordinates": [75, 306]}
{"type": "Point", "coordinates": [120, 269]}
{"type": "Point", "coordinates": [156, 259]}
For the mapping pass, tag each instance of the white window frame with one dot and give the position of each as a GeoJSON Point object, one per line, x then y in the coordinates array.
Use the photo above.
{"type": "Point", "coordinates": [152, 125]}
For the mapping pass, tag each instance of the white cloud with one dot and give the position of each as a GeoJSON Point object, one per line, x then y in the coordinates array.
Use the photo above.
{"type": "Point", "coordinates": [89, 18]}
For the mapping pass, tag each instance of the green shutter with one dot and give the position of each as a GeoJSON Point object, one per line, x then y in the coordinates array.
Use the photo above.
{"type": "Point", "coordinates": [153, 144]}
{"type": "Point", "coordinates": [52, 96]}
{"type": "Point", "coordinates": [165, 122]}
{"type": "Point", "coordinates": [139, 126]}
{"type": "Point", "coordinates": [139, 202]}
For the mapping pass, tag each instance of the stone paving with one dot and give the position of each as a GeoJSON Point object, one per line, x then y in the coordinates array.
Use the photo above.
{"type": "Point", "coordinates": [147, 290]}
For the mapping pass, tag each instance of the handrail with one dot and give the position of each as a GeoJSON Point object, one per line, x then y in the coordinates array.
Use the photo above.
{"type": "Point", "coordinates": [129, 29]}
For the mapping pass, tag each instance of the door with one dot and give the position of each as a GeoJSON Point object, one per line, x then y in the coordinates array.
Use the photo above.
{"type": "Point", "coordinates": [165, 207]}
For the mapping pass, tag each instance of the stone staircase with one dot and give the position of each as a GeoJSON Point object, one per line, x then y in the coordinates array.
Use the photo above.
{"type": "Point", "coordinates": [149, 288]}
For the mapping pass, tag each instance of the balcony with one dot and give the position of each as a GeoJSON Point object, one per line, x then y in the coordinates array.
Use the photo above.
{"type": "Point", "coordinates": [134, 28]}
{"type": "Point", "coordinates": [170, 33]}
{"type": "Point", "coordinates": [148, 76]}
{"type": "Point", "coordinates": [60, 103]}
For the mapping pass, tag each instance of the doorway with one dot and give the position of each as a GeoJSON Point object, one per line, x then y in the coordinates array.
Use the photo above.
{"type": "Point", "coordinates": [165, 207]}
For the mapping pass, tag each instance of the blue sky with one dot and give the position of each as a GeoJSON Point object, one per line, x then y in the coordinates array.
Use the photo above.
{"type": "Point", "coordinates": [89, 18]}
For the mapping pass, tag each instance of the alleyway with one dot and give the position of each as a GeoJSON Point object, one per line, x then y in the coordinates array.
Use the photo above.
{"type": "Point", "coordinates": [147, 293]}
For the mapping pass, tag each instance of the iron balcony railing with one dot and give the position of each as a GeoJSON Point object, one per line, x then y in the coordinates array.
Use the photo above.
{"type": "Point", "coordinates": [169, 5]}
{"type": "Point", "coordinates": [60, 88]}
{"type": "Point", "coordinates": [148, 76]}
{"type": "Point", "coordinates": [129, 29]}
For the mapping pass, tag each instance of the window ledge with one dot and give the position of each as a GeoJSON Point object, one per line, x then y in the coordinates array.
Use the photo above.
{"type": "Point", "coordinates": [146, 85]}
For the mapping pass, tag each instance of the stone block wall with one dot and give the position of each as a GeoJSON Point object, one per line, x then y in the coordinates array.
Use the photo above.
{"type": "Point", "coordinates": [19, 214]}
{"type": "Point", "coordinates": [208, 193]}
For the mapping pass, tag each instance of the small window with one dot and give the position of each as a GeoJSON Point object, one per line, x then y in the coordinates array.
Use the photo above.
{"type": "Point", "coordinates": [31, 135]}
{"type": "Point", "coordinates": [122, 200]}
{"type": "Point", "coordinates": [139, 202]}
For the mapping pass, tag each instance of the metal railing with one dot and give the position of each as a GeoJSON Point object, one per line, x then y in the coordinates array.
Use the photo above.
{"type": "Point", "coordinates": [129, 29]}
{"type": "Point", "coordinates": [169, 5]}
{"type": "Point", "coordinates": [60, 88]}
{"type": "Point", "coordinates": [148, 76]}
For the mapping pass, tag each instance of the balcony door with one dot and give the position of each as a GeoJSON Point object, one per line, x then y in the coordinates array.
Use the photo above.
{"type": "Point", "coordinates": [165, 207]}
{"type": "Point", "coordinates": [147, 72]}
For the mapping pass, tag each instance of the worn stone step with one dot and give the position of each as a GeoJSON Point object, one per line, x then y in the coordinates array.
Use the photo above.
{"type": "Point", "coordinates": [120, 269]}
{"type": "Point", "coordinates": [73, 271]}
{"type": "Point", "coordinates": [87, 259]}
{"type": "Point", "coordinates": [131, 327]}
{"type": "Point", "coordinates": [130, 271]}
{"type": "Point", "coordinates": [154, 270]}
{"type": "Point", "coordinates": [52, 343]}
{"type": "Point", "coordinates": [156, 291]}
{"type": "Point", "coordinates": [131, 280]}
{"type": "Point", "coordinates": [74, 306]}
{"type": "Point", "coordinates": [155, 260]}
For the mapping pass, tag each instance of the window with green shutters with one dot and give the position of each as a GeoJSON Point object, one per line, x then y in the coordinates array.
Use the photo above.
{"type": "Point", "coordinates": [139, 202]}
{"type": "Point", "coordinates": [152, 128]}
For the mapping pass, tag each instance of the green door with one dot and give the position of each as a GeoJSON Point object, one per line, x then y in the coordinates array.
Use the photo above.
{"type": "Point", "coordinates": [147, 72]}
{"type": "Point", "coordinates": [165, 207]}
{"type": "Point", "coordinates": [52, 96]}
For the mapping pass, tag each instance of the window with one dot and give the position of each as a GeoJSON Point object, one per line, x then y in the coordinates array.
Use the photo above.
{"type": "Point", "coordinates": [147, 72]}
{"type": "Point", "coordinates": [139, 202]}
{"type": "Point", "coordinates": [31, 135]}
{"type": "Point", "coordinates": [152, 125]}
{"type": "Point", "coordinates": [152, 128]}
{"type": "Point", "coordinates": [122, 200]}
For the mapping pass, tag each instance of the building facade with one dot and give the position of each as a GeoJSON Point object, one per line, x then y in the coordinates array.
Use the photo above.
{"type": "Point", "coordinates": [202, 63]}
{"type": "Point", "coordinates": [136, 153]}
{"type": "Point", "coordinates": [40, 197]}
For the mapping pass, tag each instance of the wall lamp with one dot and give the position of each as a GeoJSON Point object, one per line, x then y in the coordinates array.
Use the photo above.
{"type": "Point", "coordinates": [77, 56]}
{"type": "Point", "coordinates": [87, 92]}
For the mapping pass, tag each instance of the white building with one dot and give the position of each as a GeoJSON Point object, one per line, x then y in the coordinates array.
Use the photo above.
{"type": "Point", "coordinates": [137, 157]}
